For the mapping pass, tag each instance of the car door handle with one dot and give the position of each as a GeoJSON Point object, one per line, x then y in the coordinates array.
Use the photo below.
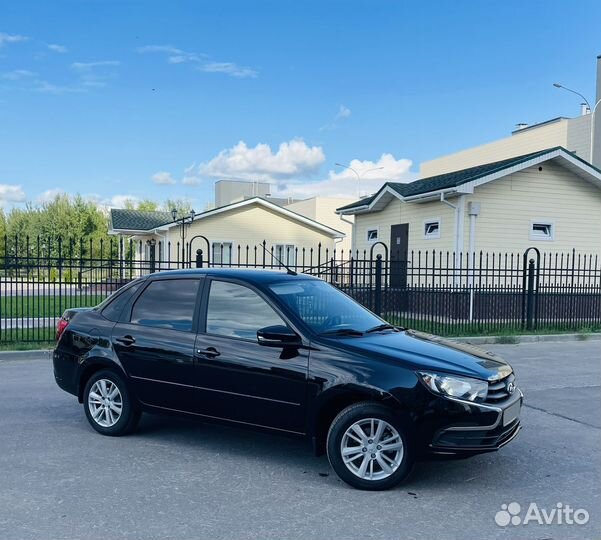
{"type": "Point", "coordinates": [209, 352]}
{"type": "Point", "coordinates": [126, 340]}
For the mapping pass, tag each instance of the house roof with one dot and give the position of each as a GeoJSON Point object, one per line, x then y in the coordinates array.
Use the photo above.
{"type": "Point", "coordinates": [466, 179]}
{"type": "Point", "coordinates": [138, 220]}
{"type": "Point", "coordinates": [135, 221]}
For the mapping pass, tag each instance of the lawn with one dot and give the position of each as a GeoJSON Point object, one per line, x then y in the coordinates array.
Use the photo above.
{"type": "Point", "coordinates": [44, 306]}
{"type": "Point", "coordinates": [512, 328]}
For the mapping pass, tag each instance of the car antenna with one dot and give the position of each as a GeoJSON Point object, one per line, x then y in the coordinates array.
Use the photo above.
{"type": "Point", "coordinates": [289, 270]}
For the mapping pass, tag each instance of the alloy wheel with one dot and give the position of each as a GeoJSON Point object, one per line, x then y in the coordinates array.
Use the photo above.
{"type": "Point", "coordinates": [372, 449]}
{"type": "Point", "coordinates": [105, 403]}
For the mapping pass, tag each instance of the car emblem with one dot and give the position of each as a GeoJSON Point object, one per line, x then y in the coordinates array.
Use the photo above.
{"type": "Point", "coordinates": [511, 387]}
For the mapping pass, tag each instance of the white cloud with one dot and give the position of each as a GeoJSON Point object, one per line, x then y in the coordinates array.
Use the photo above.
{"type": "Point", "coordinates": [293, 158]}
{"type": "Point", "coordinates": [17, 75]}
{"type": "Point", "coordinates": [88, 66]}
{"type": "Point", "coordinates": [11, 38]}
{"type": "Point", "coordinates": [191, 177]}
{"type": "Point", "coordinates": [345, 183]}
{"type": "Point", "coordinates": [49, 195]}
{"type": "Point", "coordinates": [229, 68]}
{"type": "Point", "coordinates": [61, 49]}
{"type": "Point", "coordinates": [89, 75]}
{"type": "Point", "coordinates": [163, 177]}
{"type": "Point", "coordinates": [168, 49]}
{"type": "Point", "coordinates": [343, 113]}
{"type": "Point", "coordinates": [120, 201]}
{"type": "Point", "coordinates": [174, 54]}
{"type": "Point", "coordinates": [57, 89]}
{"type": "Point", "coordinates": [103, 203]}
{"type": "Point", "coordinates": [11, 193]}
{"type": "Point", "coordinates": [95, 74]}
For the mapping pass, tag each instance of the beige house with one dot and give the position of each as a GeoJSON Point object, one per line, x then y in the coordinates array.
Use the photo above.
{"type": "Point", "coordinates": [549, 199]}
{"type": "Point", "coordinates": [228, 235]}
{"type": "Point", "coordinates": [573, 134]}
{"type": "Point", "coordinates": [323, 209]}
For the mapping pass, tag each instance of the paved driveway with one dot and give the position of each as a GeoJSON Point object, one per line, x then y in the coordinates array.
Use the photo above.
{"type": "Point", "coordinates": [181, 479]}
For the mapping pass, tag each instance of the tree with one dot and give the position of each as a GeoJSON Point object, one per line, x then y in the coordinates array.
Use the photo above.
{"type": "Point", "coordinates": [147, 205]}
{"type": "Point", "coordinates": [183, 206]}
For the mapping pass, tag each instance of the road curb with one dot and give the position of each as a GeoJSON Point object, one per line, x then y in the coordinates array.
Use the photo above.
{"type": "Point", "coordinates": [45, 354]}
{"type": "Point", "coordinates": [515, 340]}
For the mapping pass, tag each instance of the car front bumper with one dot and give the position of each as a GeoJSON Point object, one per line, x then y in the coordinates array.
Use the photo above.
{"type": "Point", "coordinates": [502, 425]}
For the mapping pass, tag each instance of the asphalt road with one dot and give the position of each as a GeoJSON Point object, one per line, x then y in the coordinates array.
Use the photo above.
{"type": "Point", "coordinates": [180, 479]}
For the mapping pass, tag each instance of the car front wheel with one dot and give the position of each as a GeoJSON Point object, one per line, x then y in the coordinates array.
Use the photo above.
{"type": "Point", "coordinates": [368, 448]}
{"type": "Point", "coordinates": [108, 405]}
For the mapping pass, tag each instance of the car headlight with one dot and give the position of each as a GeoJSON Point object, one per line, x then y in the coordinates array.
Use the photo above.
{"type": "Point", "coordinates": [455, 386]}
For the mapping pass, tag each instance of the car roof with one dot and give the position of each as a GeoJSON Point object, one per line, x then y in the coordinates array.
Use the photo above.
{"type": "Point", "coordinates": [252, 275]}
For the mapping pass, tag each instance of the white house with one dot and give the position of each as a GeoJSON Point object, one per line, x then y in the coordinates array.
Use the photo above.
{"type": "Point", "coordinates": [229, 234]}
{"type": "Point", "coordinates": [573, 134]}
{"type": "Point", "coordinates": [323, 209]}
{"type": "Point", "coordinates": [549, 199]}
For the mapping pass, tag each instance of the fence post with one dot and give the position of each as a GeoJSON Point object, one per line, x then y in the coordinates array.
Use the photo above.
{"type": "Point", "coordinates": [199, 258]}
{"type": "Point", "coordinates": [530, 297]}
{"type": "Point", "coordinates": [378, 288]}
{"type": "Point", "coordinates": [152, 256]}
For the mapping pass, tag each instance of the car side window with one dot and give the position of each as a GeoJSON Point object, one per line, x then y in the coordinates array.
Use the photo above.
{"type": "Point", "coordinates": [115, 305]}
{"type": "Point", "coordinates": [237, 311]}
{"type": "Point", "coordinates": [168, 303]}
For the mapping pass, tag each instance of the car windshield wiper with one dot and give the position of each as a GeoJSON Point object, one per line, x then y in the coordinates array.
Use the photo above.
{"type": "Point", "coordinates": [380, 327]}
{"type": "Point", "coordinates": [342, 332]}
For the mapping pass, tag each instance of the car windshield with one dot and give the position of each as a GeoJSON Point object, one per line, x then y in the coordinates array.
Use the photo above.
{"type": "Point", "coordinates": [325, 308]}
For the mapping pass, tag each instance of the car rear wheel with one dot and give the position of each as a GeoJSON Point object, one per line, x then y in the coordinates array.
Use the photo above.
{"type": "Point", "coordinates": [368, 448]}
{"type": "Point", "coordinates": [108, 404]}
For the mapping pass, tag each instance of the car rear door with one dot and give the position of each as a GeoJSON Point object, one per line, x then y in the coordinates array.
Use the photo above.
{"type": "Point", "coordinates": [239, 379]}
{"type": "Point", "coordinates": [154, 340]}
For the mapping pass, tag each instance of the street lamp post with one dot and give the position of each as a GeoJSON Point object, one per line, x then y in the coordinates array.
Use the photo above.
{"type": "Point", "coordinates": [593, 111]}
{"type": "Point", "coordinates": [186, 219]}
{"type": "Point", "coordinates": [359, 176]}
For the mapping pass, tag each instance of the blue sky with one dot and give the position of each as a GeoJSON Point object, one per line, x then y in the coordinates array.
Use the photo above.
{"type": "Point", "coordinates": [158, 99]}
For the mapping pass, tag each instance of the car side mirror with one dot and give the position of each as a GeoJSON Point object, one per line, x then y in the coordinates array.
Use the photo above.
{"type": "Point", "coordinates": [278, 335]}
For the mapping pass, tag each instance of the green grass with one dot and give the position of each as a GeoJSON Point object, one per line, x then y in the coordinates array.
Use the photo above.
{"type": "Point", "coordinates": [501, 330]}
{"type": "Point", "coordinates": [25, 339]}
{"type": "Point", "coordinates": [44, 306]}
{"type": "Point", "coordinates": [27, 346]}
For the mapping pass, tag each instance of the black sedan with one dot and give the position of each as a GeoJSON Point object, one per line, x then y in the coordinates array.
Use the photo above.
{"type": "Point", "coordinates": [290, 354]}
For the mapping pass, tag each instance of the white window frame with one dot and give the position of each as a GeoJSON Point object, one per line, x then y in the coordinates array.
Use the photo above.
{"type": "Point", "coordinates": [224, 242]}
{"type": "Point", "coordinates": [284, 246]}
{"type": "Point", "coordinates": [432, 236]}
{"type": "Point", "coordinates": [372, 240]}
{"type": "Point", "coordinates": [537, 236]}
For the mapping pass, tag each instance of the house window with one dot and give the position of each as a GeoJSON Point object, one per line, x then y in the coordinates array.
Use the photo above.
{"type": "Point", "coordinates": [432, 228]}
{"type": "Point", "coordinates": [542, 230]}
{"type": "Point", "coordinates": [372, 235]}
{"type": "Point", "coordinates": [222, 253]}
{"type": "Point", "coordinates": [286, 253]}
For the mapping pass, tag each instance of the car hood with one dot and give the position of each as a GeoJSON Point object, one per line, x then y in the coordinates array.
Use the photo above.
{"type": "Point", "coordinates": [422, 351]}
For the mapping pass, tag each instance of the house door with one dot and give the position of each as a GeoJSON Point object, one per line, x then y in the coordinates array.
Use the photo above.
{"type": "Point", "coordinates": [399, 246]}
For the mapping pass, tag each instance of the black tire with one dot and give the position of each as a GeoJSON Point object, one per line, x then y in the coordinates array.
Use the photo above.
{"type": "Point", "coordinates": [130, 411]}
{"type": "Point", "coordinates": [345, 419]}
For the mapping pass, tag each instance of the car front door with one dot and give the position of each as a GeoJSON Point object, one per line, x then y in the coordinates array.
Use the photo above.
{"type": "Point", "coordinates": [155, 342]}
{"type": "Point", "coordinates": [240, 379]}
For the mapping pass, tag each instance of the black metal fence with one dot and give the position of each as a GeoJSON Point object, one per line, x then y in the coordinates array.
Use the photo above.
{"type": "Point", "coordinates": [438, 292]}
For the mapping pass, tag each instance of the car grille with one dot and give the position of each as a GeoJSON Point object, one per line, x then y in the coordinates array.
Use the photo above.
{"type": "Point", "coordinates": [497, 390]}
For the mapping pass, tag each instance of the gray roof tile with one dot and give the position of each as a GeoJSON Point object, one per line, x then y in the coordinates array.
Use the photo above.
{"type": "Point", "coordinates": [455, 178]}
{"type": "Point", "coordinates": [138, 220]}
